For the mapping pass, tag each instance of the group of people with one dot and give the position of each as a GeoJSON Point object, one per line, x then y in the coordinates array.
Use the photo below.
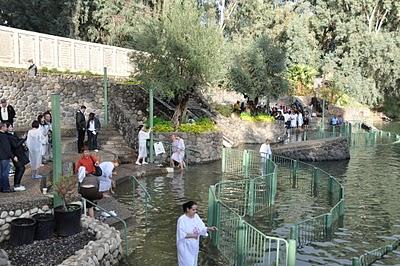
{"type": "Point", "coordinates": [91, 127]}
{"type": "Point", "coordinates": [33, 147]}
{"type": "Point", "coordinates": [95, 178]}
{"type": "Point", "coordinates": [178, 148]}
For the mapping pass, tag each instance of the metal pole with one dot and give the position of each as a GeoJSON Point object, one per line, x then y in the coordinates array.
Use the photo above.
{"type": "Point", "coordinates": [323, 114]}
{"type": "Point", "coordinates": [292, 252]}
{"type": "Point", "coordinates": [56, 137]}
{"type": "Point", "coordinates": [151, 124]}
{"type": "Point", "coordinates": [105, 92]}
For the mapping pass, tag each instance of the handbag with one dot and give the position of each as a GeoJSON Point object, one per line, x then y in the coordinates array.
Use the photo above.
{"type": "Point", "coordinates": [97, 169]}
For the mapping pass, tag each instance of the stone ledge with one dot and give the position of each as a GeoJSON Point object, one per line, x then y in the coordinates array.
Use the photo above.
{"type": "Point", "coordinates": [331, 149]}
{"type": "Point", "coordinates": [106, 250]}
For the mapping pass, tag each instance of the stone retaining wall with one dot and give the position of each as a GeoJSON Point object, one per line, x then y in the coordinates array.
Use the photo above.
{"type": "Point", "coordinates": [331, 149]}
{"type": "Point", "coordinates": [6, 216]}
{"type": "Point", "coordinates": [32, 96]}
{"type": "Point", "coordinates": [106, 250]}
{"type": "Point", "coordinates": [207, 146]}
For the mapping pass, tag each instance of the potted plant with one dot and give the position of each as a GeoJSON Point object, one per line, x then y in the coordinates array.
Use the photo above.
{"type": "Point", "coordinates": [67, 216]}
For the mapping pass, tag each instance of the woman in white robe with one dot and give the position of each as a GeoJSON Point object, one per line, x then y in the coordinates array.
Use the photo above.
{"type": "Point", "coordinates": [34, 143]}
{"type": "Point", "coordinates": [105, 180]}
{"type": "Point", "coordinates": [143, 136]}
{"type": "Point", "coordinates": [188, 231]}
{"type": "Point", "coordinates": [178, 151]}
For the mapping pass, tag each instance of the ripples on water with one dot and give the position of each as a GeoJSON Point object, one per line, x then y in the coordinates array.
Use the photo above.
{"type": "Point", "coordinates": [372, 217]}
{"type": "Point", "coordinates": [155, 244]}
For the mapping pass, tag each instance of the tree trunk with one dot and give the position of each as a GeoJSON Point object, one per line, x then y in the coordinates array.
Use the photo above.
{"type": "Point", "coordinates": [180, 111]}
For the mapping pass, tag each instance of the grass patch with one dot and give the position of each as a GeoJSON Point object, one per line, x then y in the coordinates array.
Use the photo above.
{"type": "Point", "coordinates": [257, 118]}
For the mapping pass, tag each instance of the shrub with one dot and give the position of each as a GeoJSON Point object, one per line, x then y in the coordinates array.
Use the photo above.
{"type": "Point", "coordinates": [257, 118]}
{"type": "Point", "coordinates": [200, 126]}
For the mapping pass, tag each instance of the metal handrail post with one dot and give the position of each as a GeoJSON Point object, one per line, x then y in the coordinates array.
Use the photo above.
{"type": "Point", "coordinates": [291, 253]}
{"type": "Point", "coordinates": [56, 137]}
{"type": "Point", "coordinates": [105, 94]}
{"type": "Point", "coordinates": [355, 261]}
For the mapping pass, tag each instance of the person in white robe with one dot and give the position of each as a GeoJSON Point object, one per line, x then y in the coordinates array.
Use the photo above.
{"type": "Point", "coordinates": [293, 120]}
{"type": "Point", "coordinates": [105, 180]}
{"type": "Point", "coordinates": [265, 150]}
{"type": "Point", "coordinates": [300, 120]}
{"type": "Point", "coordinates": [178, 151]}
{"type": "Point", "coordinates": [265, 153]}
{"type": "Point", "coordinates": [34, 143]}
{"type": "Point", "coordinates": [188, 231]}
{"type": "Point", "coordinates": [143, 136]}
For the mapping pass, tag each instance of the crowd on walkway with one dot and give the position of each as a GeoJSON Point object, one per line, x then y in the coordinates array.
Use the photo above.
{"type": "Point", "coordinates": [16, 152]}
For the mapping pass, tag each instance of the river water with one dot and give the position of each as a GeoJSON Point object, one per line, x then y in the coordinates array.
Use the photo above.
{"type": "Point", "coordinates": [372, 217]}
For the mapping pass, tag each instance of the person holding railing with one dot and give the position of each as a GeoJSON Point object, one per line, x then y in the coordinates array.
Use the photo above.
{"type": "Point", "coordinates": [178, 151]}
{"type": "Point", "coordinates": [188, 231]}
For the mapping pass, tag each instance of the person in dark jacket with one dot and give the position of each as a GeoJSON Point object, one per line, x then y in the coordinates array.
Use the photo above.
{"type": "Point", "coordinates": [19, 150]}
{"type": "Point", "coordinates": [81, 127]}
{"type": "Point", "coordinates": [5, 156]}
{"type": "Point", "coordinates": [93, 129]}
{"type": "Point", "coordinates": [7, 112]}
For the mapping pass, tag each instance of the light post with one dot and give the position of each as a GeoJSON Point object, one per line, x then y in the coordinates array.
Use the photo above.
{"type": "Point", "coordinates": [151, 123]}
{"type": "Point", "coordinates": [105, 94]}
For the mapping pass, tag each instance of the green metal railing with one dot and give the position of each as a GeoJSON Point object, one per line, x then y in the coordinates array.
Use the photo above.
{"type": "Point", "coordinates": [370, 257]}
{"type": "Point", "coordinates": [251, 190]}
{"type": "Point", "coordinates": [143, 193]}
{"type": "Point", "coordinates": [240, 243]}
{"type": "Point", "coordinates": [125, 237]}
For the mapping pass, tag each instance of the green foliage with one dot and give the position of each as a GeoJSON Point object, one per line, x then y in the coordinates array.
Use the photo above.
{"type": "Point", "coordinates": [392, 106]}
{"type": "Point", "coordinates": [182, 53]}
{"type": "Point", "coordinates": [259, 70]}
{"type": "Point", "coordinates": [301, 79]}
{"type": "Point", "coordinates": [200, 126]}
{"type": "Point", "coordinates": [223, 109]}
{"type": "Point", "coordinates": [257, 118]}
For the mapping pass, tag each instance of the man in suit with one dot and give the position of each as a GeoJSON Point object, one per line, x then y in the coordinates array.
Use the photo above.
{"type": "Point", "coordinates": [7, 112]}
{"type": "Point", "coordinates": [81, 127]}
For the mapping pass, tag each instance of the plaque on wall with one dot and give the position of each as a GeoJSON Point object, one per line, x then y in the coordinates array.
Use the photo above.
{"type": "Point", "coordinates": [81, 56]}
{"type": "Point", "coordinates": [47, 48]}
{"type": "Point", "coordinates": [26, 44]}
{"type": "Point", "coordinates": [7, 47]}
{"type": "Point", "coordinates": [65, 54]}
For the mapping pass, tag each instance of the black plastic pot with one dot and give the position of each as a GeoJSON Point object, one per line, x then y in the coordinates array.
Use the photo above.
{"type": "Point", "coordinates": [22, 231]}
{"type": "Point", "coordinates": [44, 225]}
{"type": "Point", "coordinates": [68, 222]}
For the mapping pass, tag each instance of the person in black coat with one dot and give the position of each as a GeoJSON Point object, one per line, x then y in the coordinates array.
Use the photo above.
{"type": "Point", "coordinates": [93, 129]}
{"type": "Point", "coordinates": [19, 151]}
{"type": "Point", "coordinates": [5, 156]}
{"type": "Point", "coordinates": [7, 112]}
{"type": "Point", "coordinates": [81, 127]}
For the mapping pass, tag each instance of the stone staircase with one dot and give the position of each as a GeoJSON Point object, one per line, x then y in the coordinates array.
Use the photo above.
{"type": "Point", "coordinates": [112, 146]}
{"type": "Point", "coordinates": [112, 141]}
